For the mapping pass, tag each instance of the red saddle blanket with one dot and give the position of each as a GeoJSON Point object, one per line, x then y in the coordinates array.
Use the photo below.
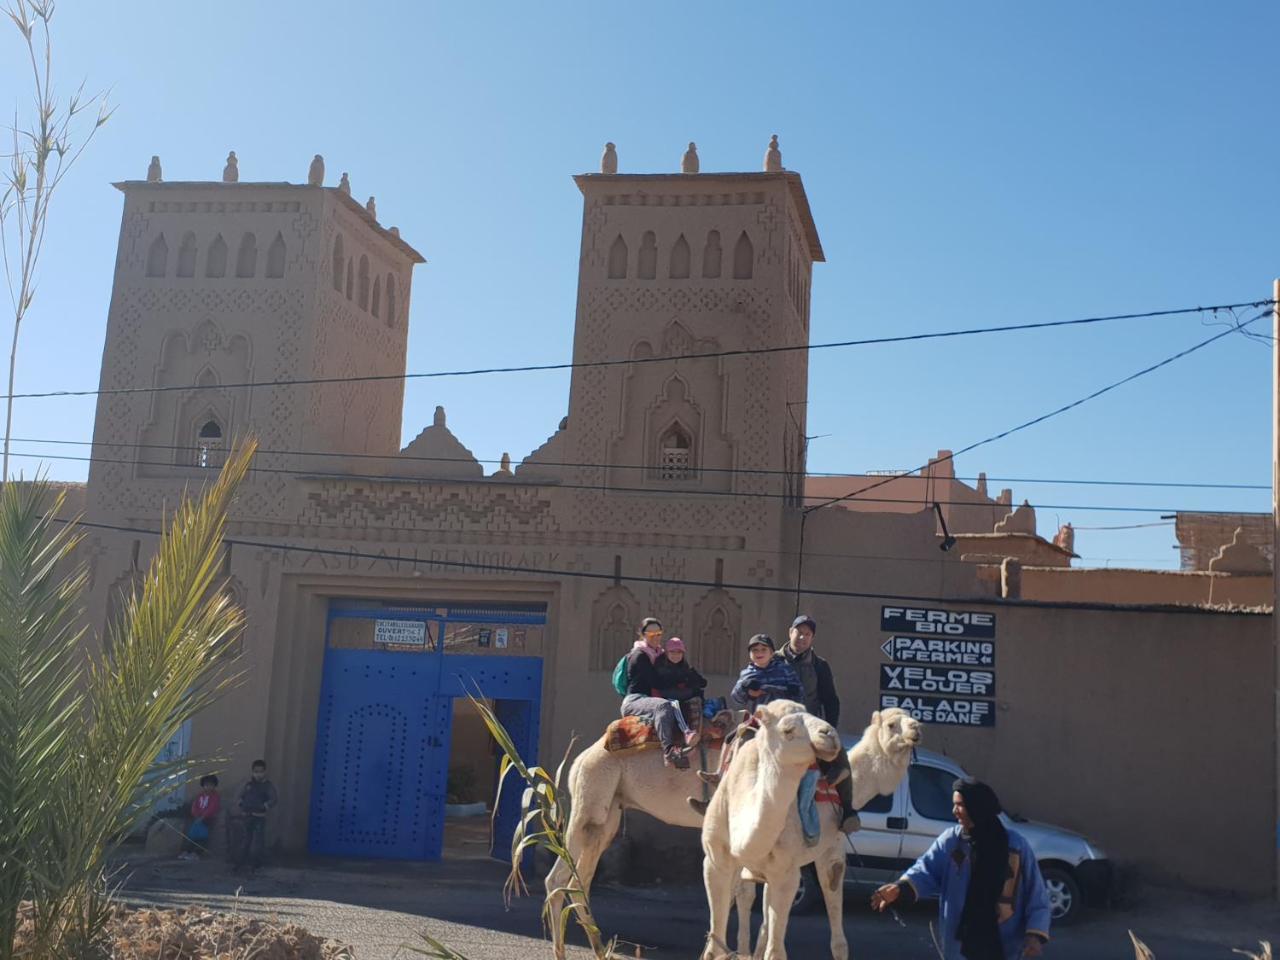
{"type": "Point", "coordinates": [634, 733]}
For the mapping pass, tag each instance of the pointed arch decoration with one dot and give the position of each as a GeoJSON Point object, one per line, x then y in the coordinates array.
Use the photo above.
{"type": "Point", "coordinates": [392, 316]}
{"type": "Point", "coordinates": [187, 255]}
{"type": "Point", "coordinates": [158, 257]}
{"type": "Point", "coordinates": [618, 259]}
{"type": "Point", "coordinates": [743, 258]}
{"type": "Point", "coordinates": [615, 613]}
{"type": "Point", "coordinates": [351, 280]}
{"type": "Point", "coordinates": [338, 263]}
{"type": "Point", "coordinates": [375, 305]}
{"type": "Point", "coordinates": [717, 618]}
{"type": "Point", "coordinates": [711, 256]}
{"type": "Point", "coordinates": [679, 268]}
{"type": "Point", "coordinates": [362, 283]}
{"type": "Point", "coordinates": [275, 257]}
{"type": "Point", "coordinates": [215, 264]}
{"type": "Point", "coordinates": [648, 268]}
{"type": "Point", "coordinates": [247, 256]}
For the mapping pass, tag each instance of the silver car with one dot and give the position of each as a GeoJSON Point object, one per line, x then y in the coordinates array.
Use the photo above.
{"type": "Point", "coordinates": [897, 829]}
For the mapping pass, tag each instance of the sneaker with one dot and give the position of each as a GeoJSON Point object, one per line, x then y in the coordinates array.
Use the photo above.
{"type": "Point", "coordinates": [709, 776]}
{"type": "Point", "coordinates": [691, 738]}
{"type": "Point", "coordinates": [674, 758]}
{"type": "Point", "coordinates": [851, 823]}
{"type": "Point", "coordinates": [699, 805]}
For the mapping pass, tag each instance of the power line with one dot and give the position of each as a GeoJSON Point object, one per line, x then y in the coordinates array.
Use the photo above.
{"type": "Point", "coordinates": [606, 488]}
{"type": "Point", "coordinates": [1053, 413]}
{"type": "Point", "coordinates": [637, 578]}
{"type": "Point", "coordinates": [401, 457]}
{"type": "Point", "coordinates": [586, 364]}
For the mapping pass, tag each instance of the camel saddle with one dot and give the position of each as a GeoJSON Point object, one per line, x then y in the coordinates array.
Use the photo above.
{"type": "Point", "coordinates": [639, 733]}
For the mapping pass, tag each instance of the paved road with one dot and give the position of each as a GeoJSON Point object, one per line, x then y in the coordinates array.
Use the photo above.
{"type": "Point", "coordinates": [378, 907]}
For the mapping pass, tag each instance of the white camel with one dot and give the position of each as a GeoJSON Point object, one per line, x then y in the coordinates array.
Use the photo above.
{"type": "Point", "coordinates": [880, 760]}
{"type": "Point", "coordinates": [603, 783]}
{"type": "Point", "coordinates": [752, 816]}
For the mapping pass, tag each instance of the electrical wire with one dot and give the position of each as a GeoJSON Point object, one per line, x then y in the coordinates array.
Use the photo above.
{"type": "Point", "coordinates": [401, 457]}
{"type": "Point", "coordinates": [626, 361]}
{"type": "Point", "coordinates": [607, 488]}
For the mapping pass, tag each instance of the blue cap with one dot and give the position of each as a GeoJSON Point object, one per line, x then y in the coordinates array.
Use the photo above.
{"type": "Point", "coordinates": [803, 619]}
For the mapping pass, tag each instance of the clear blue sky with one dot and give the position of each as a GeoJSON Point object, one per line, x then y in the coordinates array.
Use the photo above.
{"type": "Point", "coordinates": [967, 165]}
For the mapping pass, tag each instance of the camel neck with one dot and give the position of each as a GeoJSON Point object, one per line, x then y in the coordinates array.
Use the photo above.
{"type": "Point", "coordinates": [769, 802]}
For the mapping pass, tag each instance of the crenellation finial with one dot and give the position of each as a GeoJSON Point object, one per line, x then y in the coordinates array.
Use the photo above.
{"type": "Point", "coordinates": [344, 185]}
{"type": "Point", "coordinates": [438, 420]}
{"type": "Point", "coordinates": [609, 159]}
{"type": "Point", "coordinates": [371, 206]}
{"type": "Point", "coordinates": [773, 156]}
{"type": "Point", "coordinates": [231, 172]}
{"type": "Point", "coordinates": [153, 171]}
{"type": "Point", "coordinates": [689, 163]}
{"type": "Point", "coordinates": [315, 175]}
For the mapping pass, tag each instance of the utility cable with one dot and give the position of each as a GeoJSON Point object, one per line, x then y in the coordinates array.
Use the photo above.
{"type": "Point", "coordinates": [709, 355]}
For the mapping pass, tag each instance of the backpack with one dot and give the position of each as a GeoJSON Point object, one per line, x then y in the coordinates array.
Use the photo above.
{"type": "Point", "coordinates": [620, 678]}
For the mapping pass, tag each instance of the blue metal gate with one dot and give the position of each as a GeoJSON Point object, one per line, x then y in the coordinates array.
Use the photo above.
{"type": "Point", "coordinates": [383, 731]}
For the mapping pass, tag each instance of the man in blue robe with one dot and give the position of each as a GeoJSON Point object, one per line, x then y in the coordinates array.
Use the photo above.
{"type": "Point", "coordinates": [992, 900]}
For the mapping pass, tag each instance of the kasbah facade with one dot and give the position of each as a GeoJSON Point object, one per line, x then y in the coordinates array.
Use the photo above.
{"type": "Point", "coordinates": [381, 584]}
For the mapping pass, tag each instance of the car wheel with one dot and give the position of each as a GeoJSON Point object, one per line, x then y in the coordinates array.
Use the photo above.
{"type": "Point", "coordinates": [808, 896]}
{"type": "Point", "coordinates": [1066, 902]}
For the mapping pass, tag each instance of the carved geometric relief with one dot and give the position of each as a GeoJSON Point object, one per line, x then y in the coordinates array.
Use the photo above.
{"type": "Point", "coordinates": [717, 622]}
{"type": "Point", "coordinates": [615, 614]}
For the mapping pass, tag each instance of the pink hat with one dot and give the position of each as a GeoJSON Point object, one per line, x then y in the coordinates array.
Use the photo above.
{"type": "Point", "coordinates": [675, 643]}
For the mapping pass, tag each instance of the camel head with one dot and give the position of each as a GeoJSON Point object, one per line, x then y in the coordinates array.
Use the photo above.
{"type": "Point", "coordinates": [797, 736]}
{"type": "Point", "coordinates": [895, 732]}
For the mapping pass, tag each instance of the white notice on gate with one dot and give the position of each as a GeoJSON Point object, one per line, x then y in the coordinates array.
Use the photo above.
{"type": "Point", "coordinates": [404, 633]}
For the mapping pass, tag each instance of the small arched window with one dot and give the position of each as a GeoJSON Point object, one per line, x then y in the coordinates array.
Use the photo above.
{"type": "Point", "coordinates": [247, 257]}
{"type": "Point", "coordinates": [275, 257]}
{"type": "Point", "coordinates": [675, 451]}
{"type": "Point", "coordinates": [392, 316]}
{"type": "Point", "coordinates": [618, 259]}
{"type": "Point", "coordinates": [158, 257]}
{"type": "Point", "coordinates": [711, 256]}
{"type": "Point", "coordinates": [338, 262]}
{"type": "Point", "coordinates": [351, 280]}
{"type": "Point", "coordinates": [743, 258]}
{"type": "Point", "coordinates": [362, 284]}
{"type": "Point", "coordinates": [215, 264]}
{"type": "Point", "coordinates": [375, 305]}
{"type": "Point", "coordinates": [187, 255]}
{"type": "Point", "coordinates": [648, 256]}
{"type": "Point", "coordinates": [209, 444]}
{"type": "Point", "coordinates": [680, 259]}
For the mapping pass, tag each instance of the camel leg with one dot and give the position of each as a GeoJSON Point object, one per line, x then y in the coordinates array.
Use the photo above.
{"type": "Point", "coordinates": [744, 896]}
{"type": "Point", "coordinates": [779, 892]}
{"type": "Point", "coordinates": [586, 842]}
{"type": "Point", "coordinates": [830, 872]}
{"type": "Point", "coordinates": [719, 883]}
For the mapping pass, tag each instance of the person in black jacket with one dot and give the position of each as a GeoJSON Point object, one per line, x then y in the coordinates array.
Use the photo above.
{"type": "Point", "coordinates": [677, 680]}
{"type": "Point", "coordinates": [821, 700]}
{"type": "Point", "coordinates": [644, 664]}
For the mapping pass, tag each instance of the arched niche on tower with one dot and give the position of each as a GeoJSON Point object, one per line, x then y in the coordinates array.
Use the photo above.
{"type": "Point", "coordinates": [190, 428]}
{"type": "Point", "coordinates": [670, 420]}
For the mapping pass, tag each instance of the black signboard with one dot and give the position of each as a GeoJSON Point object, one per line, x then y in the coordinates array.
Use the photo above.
{"type": "Point", "coordinates": [948, 681]}
{"type": "Point", "coordinates": [958, 653]}
{"type": "Point", "coordinates": [938, 623]}
{"type": "Point", "coordinates": [953, 711]}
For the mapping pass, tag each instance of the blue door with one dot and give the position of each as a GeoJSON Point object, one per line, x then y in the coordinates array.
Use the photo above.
{"type": "Point", "coordinates": [384, 725]}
